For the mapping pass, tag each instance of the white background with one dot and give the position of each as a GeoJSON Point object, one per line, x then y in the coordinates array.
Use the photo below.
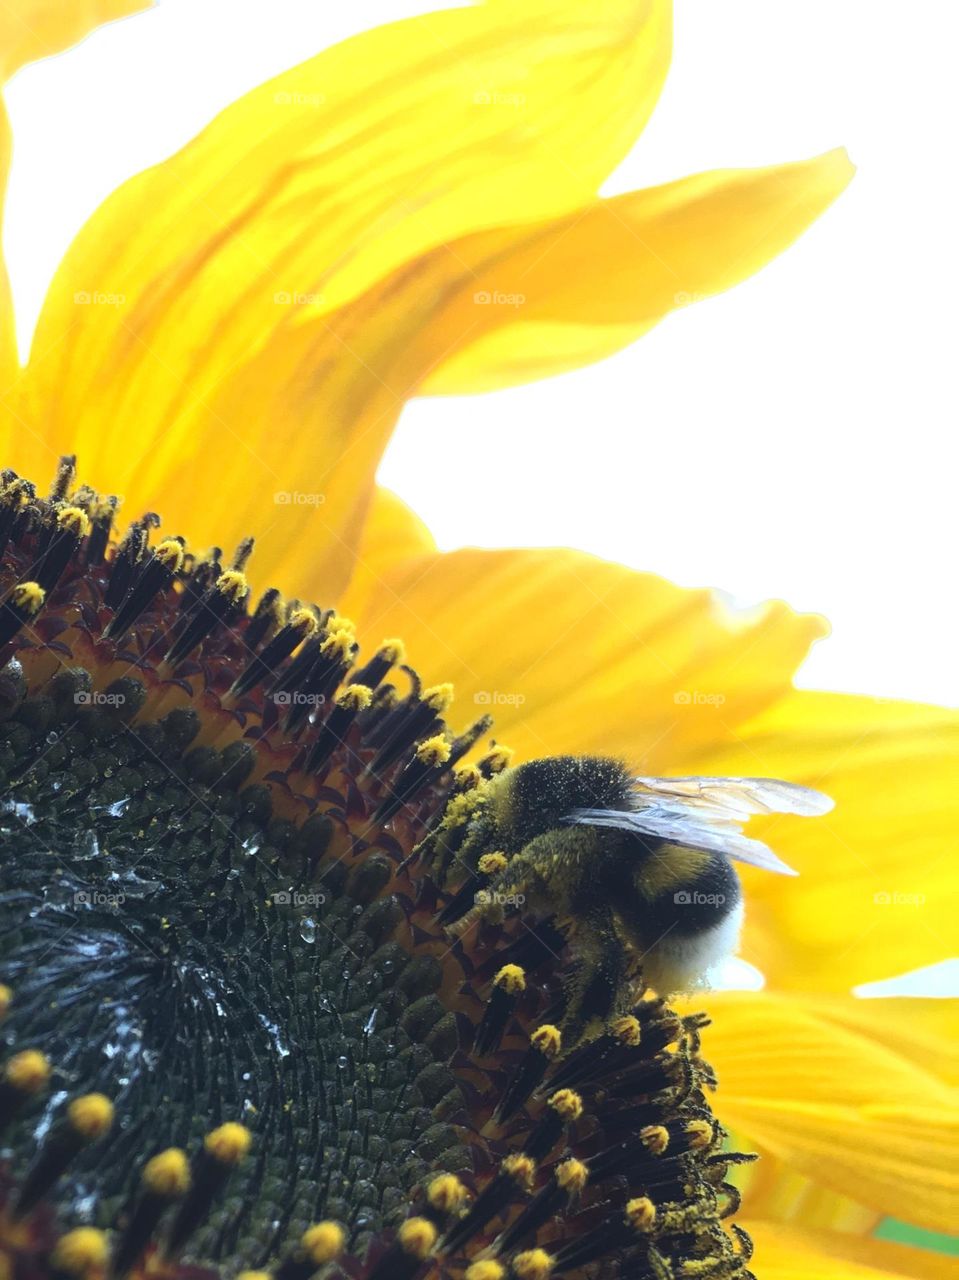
{"type": "Point", "coordinates": [792, 438]}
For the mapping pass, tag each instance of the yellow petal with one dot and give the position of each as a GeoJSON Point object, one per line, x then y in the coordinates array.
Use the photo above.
{"type": "Point", "coordinates": [876, 893]}
{"type": "Point", "coordinates": [31, 29]}
{"type": "Point", "coordinates": [790, 1253]}
{"type": "Point", "coordinates": [579, 288]}
{"type": "Point", "coordinates": [8, 336]}
{"type": "Point", "coordinates": [571, 653]}
{"type": "Point", "coordinates": [316, 185]}
{"type": "Point", "coordinates": [869, 1120]}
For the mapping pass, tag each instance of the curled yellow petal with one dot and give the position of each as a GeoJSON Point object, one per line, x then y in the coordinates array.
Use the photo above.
{"type": "Point", "coordinates": [794, 1253]}
{"type": "Point", "coordinates": [869, 1119]}
{"type": "Point", "coordinates": [31, 29]}
{"type": "Point", "coordinates": [308, 190]}
{"type": "Point", "coordinates": [572, 653]}
{"type": "Point", "coordinates": [578, 288]}
{"type": "Point", "coordinates": [876, 891]}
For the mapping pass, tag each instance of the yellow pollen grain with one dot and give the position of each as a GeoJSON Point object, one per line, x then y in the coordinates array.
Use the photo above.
{"type": "Point", "coordinates": [90, 1116]}
{"type": "Point", "coordinates": [323, 1242]}
{"type": "Point", "coordinates": [28, 1071]}
{"type": "Point", "coordinates": [497, 759]}
{"type": "Point", "coordinates": [446, 1193]}
{"type": "Point", "coordinates": [232, 584]}
{"type": "Point", "coordinates": [572, 1175]}
{"type": "Point", "coordinates": [304, 621]}
{"type": "Point", "coordinates": [466, 777]}
{"type": "Point", "coordinates": [338, 643]}
{"type": "Point", "coordinates": [520, 1168]}
{"type": "Point", "coordinates": [547, 1039]}
{"type": "Point", "coordinates": [640, 1213]}
{"type": "Point", "coordinates": [567, 1104]}
{"type": "Point", "coordinates": [28, 597]}
{"type": "Point", "coordinates": [655, 1138]}
{"type": "Point", "coordinates": [392, 651]}
{"type": "Point", "coordinates": [438, 697]}
{"type": "Point", "coordinates": [355, 697]}
{"type": "Point", "coordinates": [170, 553]}
{"type": "Point", "coordinates": [492, 863]}
{"type": "Point", "coordinates": [6, 997]}
{"type": "Point", "coordinates": [434, 751]}
{"type": "Point", "coordinates": [253, 1275]}
{"type": "Point", "coordinates": [229, 1143]}
{"type": "Point", "coordinates": [416, 1237]}
{"type": "Point", "coordinates": [75, 520]}
{"type": "Point", "coordinates": [488, 1269]}
{"type": "Point", "coordinates": [627, 1030]}
{"type": "Point", "coordinates": [700, 1134]}
{"type": "Point", "coordinates": [534, 1264]}
{"type": "Point", "coordinates": [461, 808]}
{"type": "Point", "coordinates": [167, 1174]}
{"type": "Point", "coordinates": [511, 978]}
{"type": "Point", "coordinates": [80, 1251]}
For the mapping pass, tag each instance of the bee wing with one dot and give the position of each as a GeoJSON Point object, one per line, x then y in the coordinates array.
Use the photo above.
{"type": "Point", "coordinates": [737, 798]}
{"type": "Point", "coordinates": [695, 830]}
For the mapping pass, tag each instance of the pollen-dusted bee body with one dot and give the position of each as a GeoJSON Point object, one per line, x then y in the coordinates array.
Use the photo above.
{"type": "Point", "coordinates": [638, 869]}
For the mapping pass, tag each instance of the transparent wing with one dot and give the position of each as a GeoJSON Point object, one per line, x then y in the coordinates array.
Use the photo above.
{"type": "Point", "coordinates": [739, 797]}
{"type": "Point", "coordinates": [708, 813]}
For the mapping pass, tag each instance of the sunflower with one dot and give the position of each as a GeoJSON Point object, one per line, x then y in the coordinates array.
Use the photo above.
{"type": "Point", "coordinates": [237, 1037]}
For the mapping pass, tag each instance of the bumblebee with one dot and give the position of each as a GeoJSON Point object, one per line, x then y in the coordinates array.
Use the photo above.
{"type": "Point", "coordinates": [638, 870]}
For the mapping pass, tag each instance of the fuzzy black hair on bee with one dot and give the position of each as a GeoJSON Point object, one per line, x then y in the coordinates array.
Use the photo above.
{"type": "Point", "coordinates": [639, 869]}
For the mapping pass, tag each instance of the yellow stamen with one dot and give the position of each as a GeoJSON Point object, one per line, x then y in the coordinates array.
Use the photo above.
{"type": "Point", "coordinates": [323, 1242]}
{"type": "Point", "coordinates": [80, 1251]}
{"type": "Point", "coordinates": [91, 1116]}
{"type": "Point", "coordinates": [167, 1174]}
{"type": "Point", "coordinates": [438, 697]}
{"type": "Point", "coordinates": [28, 597]}
{"type": "Point", "coordinates": [512, 979]}
{"type": "Point", "coordinates": [416, 1237]}
{"type": "Point", "coordinates": [567, 1104]}
{"type": "Point", "coordinates": [534, 1264]}
{"type": "Point", "coordinates": [229, 1143]}
{"type": "Point", "coordinates": [28, 1071]}
{"type": "Point", "coordinates": [434, 751]}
